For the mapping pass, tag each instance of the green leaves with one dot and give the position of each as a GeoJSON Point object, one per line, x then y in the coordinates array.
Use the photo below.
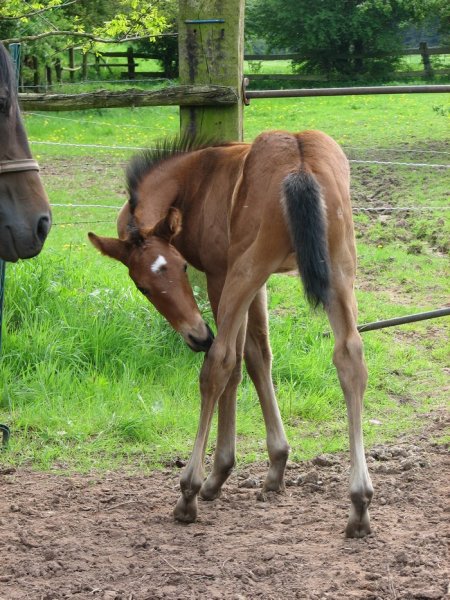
{"type": "Point", "coordinates": [342, 38]}
{"type": "Point", "coordinates": [136, 18]}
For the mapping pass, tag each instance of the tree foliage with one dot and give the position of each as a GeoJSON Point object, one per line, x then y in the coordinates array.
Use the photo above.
{"type": "Point", "coordinates": [85, 20]}
{"type": "Point", "coordinates": [347, 38]}
{"type": "Point", "coordinates": [47, 27]}
{"type": "Point", "coordinates": [165, 48]}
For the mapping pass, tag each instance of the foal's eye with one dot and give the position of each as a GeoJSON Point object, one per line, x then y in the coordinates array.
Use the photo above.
{"type": "Point", "coordinates": [143, 290]}
{"type": "Point", "coordinates": [185, 267]}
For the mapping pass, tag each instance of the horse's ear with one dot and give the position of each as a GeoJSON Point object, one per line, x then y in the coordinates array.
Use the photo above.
{"type": "Point", "coordinates": [169, 226]}
{"type": "Point", "coordinates": [113, 247]}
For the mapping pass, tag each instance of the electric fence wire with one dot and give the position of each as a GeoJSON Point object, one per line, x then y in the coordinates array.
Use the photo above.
{"type": "Point", "coordinates": [373, 162]}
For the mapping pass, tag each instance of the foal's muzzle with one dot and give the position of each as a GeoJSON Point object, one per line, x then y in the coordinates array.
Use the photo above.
{"type": "Point", "coordinates": [201, 345]}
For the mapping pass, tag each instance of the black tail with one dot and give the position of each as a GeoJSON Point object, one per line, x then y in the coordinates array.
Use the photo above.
{"type": "Point", "coordinates": [307, 223]}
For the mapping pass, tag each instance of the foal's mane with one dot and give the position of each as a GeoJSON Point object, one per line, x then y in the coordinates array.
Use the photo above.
{"type": "Point", "coordinates": [142, 163]}
{"type": "Point", "coordinates": [8, 92]}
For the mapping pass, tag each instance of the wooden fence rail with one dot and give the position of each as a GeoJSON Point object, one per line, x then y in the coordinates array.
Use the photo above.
{"type": "Point", "coordinates": [99, 62]}
{"type": "Point", "coordinates": [181, 95]}
{"type": "Point", "coordinates": [197, 95]}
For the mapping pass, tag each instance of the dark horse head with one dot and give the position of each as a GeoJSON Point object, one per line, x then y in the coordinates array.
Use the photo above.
{"type": "Point", "coordinates": [25, 216]}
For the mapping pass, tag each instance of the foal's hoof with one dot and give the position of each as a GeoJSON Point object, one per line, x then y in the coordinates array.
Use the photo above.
{"type": "Point", "coordinates": [358, 527]}
{"type": "Point", "coordinates": [210, 489]}
{"type": "Point", "coordinates": [185, 511]}
{"type": "Point", "coordinates": [274, 485]}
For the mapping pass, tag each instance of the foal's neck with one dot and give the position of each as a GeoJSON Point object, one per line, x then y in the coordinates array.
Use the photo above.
{"type": "Point", "coordinates": [157, 192]}
{"type": "Point", "coordinates": [186, 180]}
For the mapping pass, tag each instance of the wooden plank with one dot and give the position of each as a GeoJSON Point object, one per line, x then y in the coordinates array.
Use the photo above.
{"type": "Point", "coordinates": [210, 42]}
{"type": "Point", "coordinates": [431, 50]}
{"type": "Point", "coordinates": [145, 74]}
{"type": "Point", "coordinates": [285, 77]}
{"type": "Point", "coordinates": [298, 56]}
{"type": "Point", "coordinates": [183, 95]}
{"type": "Point", "coordinates": [272, 56]}
{"type": "Point", "coordinates": [125, 54]}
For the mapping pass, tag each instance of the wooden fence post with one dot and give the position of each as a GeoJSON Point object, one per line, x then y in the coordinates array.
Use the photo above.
{"type": "Point", "coordinates": [84, 66]}
{"type": "Point", "coordinates": [72, 64]}
{"type": "Point", "coordinates": [428, 69]}
{"type": "Point", "coordinates": [36, 77]}
{"type": "Point", "coordinates": [131, 63]}
{"type": "Point", "coordinates": [48, 75]}
{"type": "Point", "coordinates": [211, 40]}
{"type": "Point", "coordinates": [58, 70]}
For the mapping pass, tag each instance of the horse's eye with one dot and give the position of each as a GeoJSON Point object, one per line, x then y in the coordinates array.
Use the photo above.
{"type": "Point", "coordinates": [185, 267]}
{"type": "Point", "coordinates": [143, 290]}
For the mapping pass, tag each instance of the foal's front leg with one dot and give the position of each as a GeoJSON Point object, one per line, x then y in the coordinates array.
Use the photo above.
{"type": "Point", "coordinates": [225, 453]}
{"type": "Point", "coordinates": [237, 295]}
{"type": "Point", "coordinates": [217, 368]}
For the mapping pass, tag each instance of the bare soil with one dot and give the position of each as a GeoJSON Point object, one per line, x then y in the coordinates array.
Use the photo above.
{"type": "Point", "coordinates": [111, 536]}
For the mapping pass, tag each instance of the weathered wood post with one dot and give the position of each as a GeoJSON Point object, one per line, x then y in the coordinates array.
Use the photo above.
{"type": "Point", "coordinates": [97, 66]}
{"type": "Point", "coordinates": [84, 66]}
{"type": "Point", "coordinates": [58, 70]}
{"type": "Point", "coordinates": [131, 63]}
{"type": "Point", "coordinates": [211, 41]}
{"type": "Point", "coordinates": [36, 75]}
{"type": "Point", "coordinates": [48, 75]}
{"type": "Point", "coordinates": [427, 68]}
{"type": "Point", "coordinates": [72, 64]}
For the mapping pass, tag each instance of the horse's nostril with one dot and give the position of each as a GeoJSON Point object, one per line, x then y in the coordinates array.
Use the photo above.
{"type": "Point", "coordinates": [202, 345]}
{"type": "Point", "coordinates": [43, 227]}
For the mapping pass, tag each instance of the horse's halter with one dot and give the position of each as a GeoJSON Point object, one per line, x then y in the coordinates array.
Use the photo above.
{"type": "Point", "coordinates": [20, 164]}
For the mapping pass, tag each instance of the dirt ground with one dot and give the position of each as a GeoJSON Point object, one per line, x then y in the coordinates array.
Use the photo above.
{"type": "Point", "coordinates": [112, 536]}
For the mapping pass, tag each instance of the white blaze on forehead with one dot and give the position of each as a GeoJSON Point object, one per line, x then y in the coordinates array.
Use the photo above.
{"type": "Point", "coordinates": [158, 264]}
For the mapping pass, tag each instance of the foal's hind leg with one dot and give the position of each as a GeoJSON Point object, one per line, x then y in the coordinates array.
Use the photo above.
{"type": "Point", "coordinates": [258, 359]}
{"type": "Point", "coordinates": [349, 361]}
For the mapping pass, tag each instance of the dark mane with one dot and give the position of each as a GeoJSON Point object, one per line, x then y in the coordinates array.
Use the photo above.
{"type": "Point", "coordinates": [8, 92]}
{"type": "Point", "coordinates": [141, 164]}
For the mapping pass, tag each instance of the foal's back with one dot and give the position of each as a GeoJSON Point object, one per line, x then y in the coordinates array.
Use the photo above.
{"type": "Point", "coordinates": [259, 214]}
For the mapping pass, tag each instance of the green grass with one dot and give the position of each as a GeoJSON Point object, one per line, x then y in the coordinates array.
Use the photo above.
{"type": "Point", "coordinates": [369, 121]}
{"type": "Point", "coordinates": [92, 377]}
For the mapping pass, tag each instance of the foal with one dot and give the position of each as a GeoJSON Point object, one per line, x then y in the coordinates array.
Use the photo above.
{"type": "Point", "coordinates": [240, 212]}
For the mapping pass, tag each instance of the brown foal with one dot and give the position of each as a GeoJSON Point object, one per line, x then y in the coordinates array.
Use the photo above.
{"type": "Point", "coordinates": [240, 212]}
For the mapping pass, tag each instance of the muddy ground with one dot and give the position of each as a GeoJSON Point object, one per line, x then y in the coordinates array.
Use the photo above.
{"type": "Point", "coordinates": [112, 536]}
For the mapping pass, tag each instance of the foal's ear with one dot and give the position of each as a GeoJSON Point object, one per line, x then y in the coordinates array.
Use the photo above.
{"type": "Point", "coordinates": [113, 247]}
{"type": "Point", "coordinates": [169, 226]}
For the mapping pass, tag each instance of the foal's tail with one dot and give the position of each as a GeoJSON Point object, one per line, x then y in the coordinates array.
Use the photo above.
{"type": "Point", "coordinates": [308, 226]}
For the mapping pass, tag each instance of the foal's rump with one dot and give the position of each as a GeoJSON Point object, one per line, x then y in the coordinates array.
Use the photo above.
{"type": "Point", "coordinates": [293, 200]}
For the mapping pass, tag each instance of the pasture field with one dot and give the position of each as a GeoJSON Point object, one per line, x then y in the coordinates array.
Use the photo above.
{"type": "Point", "coordinates": [92, 377]}
{"type": "Point", "coordinates": [408, 63]}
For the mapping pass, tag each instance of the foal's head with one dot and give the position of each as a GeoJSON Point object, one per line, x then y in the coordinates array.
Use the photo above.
{"type": "Point", "coordinates": [159, 272]}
